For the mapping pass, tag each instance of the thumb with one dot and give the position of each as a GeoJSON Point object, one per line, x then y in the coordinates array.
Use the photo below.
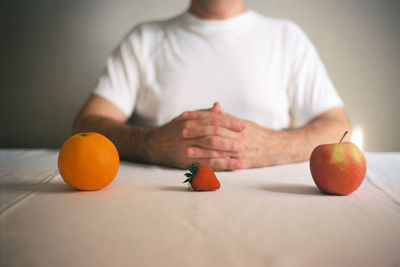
{"type": "Point", "coordinates": [217, 108]}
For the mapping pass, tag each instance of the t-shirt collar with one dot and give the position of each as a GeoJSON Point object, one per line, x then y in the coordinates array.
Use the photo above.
{"type": "Point", "coordinates": [209, 25]}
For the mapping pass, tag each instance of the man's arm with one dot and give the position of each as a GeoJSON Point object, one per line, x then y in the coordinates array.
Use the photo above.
{"type": "Point", "coordinates": [263, 147]}
{"type": "Point", "coordinates": [100, 115]}
{"type": "Point", "coordinates": [326, 128]}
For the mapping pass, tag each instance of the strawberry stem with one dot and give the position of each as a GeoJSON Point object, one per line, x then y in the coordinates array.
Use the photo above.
{"type": "Point", "coordinates": [193, 168]}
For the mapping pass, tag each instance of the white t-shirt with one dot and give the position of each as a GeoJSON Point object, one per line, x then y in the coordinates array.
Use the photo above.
{"type": "Point", "coordinates": [260, 69]}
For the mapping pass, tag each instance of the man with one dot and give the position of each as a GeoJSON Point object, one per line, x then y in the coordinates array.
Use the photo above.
{"type": "Point", "coordinates": [262, 75]}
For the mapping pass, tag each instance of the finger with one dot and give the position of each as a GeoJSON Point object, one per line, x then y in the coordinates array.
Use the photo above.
{"type": "Point", "coordinates": [217, 108]}
{"type": "Point", "coordinates": [226, 121]}
{"type": "Point", "coordinates": [202, 131]}
{"type": "Point", "coordinates": [202, 153]}
{"type": "Point", "coordinates": [218, 143]}
{"type": "Point", "coordinates": [181, 116]}
{"type": "Point", "coordinates": [217, 120]}
{"type": "Point", "coordinates": [223, 164]}
{"type": "Point", "coordinates": [198, 114]}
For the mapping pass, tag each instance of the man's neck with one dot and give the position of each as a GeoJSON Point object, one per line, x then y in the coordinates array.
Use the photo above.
{"type": "Point", "coordinates": [216, 9]}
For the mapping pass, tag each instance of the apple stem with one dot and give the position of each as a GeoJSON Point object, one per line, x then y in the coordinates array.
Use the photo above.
{"type": "Point", "coordinates": [343, 136]}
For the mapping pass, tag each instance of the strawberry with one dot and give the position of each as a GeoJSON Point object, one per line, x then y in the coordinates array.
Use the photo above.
{"type": "Point", "coordinates": [202, 178]}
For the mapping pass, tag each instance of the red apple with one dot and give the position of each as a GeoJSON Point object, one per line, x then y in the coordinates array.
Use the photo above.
{"type": "Point", "coordinates": [338, 169]}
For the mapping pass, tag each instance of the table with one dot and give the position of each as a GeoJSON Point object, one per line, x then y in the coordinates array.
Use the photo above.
{"type": "Point", "coordinates": [273, 216]}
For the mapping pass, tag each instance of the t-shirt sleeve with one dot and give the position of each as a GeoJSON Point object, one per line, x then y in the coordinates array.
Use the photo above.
{"type": "Point", "coordinates": [310, 89]}
{"type": "Point", "coordinates": [120, 81]}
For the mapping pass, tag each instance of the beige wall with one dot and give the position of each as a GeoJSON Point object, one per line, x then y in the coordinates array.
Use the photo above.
{"type": "Point", "coordinates": [54, 51]}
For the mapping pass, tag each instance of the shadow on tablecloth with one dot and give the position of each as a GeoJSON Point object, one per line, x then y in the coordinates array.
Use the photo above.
{"type": "Point", "coordinates": [38, 187]}
{"type": "Point", "coordinates": [297, 189]}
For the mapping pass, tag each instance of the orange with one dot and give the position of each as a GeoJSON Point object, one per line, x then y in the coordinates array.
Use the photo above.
{"type": "Point", "coordinates": [88, 161]}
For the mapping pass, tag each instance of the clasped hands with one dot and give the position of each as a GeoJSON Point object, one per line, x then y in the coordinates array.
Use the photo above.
{"type": "Point", "coordinates": [212, 137]}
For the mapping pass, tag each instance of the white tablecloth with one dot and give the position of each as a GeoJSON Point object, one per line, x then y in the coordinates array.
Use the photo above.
{"type": "Point", "coordinates": [272, 216]}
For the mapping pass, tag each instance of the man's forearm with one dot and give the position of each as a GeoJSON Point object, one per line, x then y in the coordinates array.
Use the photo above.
{"type": "Point", "coordinates": [269, 147]}
{"type": "Point", "coordinates": [302, 141]}
{"type": "Point", "coordinates": [129, 140]}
